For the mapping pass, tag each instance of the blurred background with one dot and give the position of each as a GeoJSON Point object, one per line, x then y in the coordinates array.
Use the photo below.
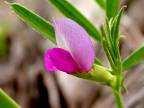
{"type": "Point", "coordinates": [22, 74]}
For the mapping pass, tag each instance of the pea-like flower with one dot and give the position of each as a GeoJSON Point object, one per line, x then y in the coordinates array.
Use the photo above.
{"type": "Point", "coordinates": [75, 51]}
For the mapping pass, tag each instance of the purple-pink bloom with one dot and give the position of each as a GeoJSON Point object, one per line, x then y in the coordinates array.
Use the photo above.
{"type": "Point", "coordinates": [75, 52]}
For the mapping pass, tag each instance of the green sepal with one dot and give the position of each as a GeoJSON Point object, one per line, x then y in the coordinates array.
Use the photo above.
{"type": "Point", "coordinates": [99, 74]}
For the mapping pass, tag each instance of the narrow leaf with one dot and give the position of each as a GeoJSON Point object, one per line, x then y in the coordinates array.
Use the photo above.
{"type": "Point", "coordinates": [35, 21]}
{"type": "Point", "coordinates": [71, 12]}
{"type": "Point", "coordinates": [112, 8]}
{"type": "Point", "coordinates": [6, 101]}
{"type": "Point", "coordinates": [101, 3]}
{"type": "Point", "coordinates": [135, 58]}
{"type": "Point", "coordinates": [116, 26]}
{"type": "Point", "coordinates": [114, 35]}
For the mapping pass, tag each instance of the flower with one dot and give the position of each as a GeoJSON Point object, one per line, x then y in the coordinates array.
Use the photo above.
{"type": "Point", "coordinates": [75, 51]}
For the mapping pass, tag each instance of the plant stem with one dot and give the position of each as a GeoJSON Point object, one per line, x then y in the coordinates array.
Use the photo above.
{"type": "Point", "coordinates": [118, 99]}
{"type": "Point", "coordinates": [117, 91]}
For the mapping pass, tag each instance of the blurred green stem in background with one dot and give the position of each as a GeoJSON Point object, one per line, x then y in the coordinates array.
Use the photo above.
{"type": "Point", "coordinates": [6, 101]}
{"type": "Point", "coordinates": [3, 40]}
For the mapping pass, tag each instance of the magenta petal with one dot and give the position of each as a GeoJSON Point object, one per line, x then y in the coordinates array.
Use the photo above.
{"type": "Point", "coordinates": [59, 59]}
{"type": "Point", "coordinates": [75, 39]}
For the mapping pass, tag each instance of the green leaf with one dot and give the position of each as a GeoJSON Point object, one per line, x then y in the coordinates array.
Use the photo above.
{"type": "Point", "coordinates": [112, 8]}
{"type": "Point", "coordinates": [71, 12]}
{"type": "Point", "coordinates": [110, 33]}
{"type": "Point", "coordinates": [35, 21]}
{"type": "Point", "coordinates": [101, 3]}
{"type": "Point", "coordinates": [6, 101]}
{"type": "Point", "coordinates": [136, 57]}
{"type": "Point", "coordinates": [116, 25]}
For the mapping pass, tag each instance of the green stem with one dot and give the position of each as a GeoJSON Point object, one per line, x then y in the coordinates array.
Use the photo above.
{"type": "Point", "coordinates": [6, 101]}
{"type": "Point", "coordinates": [117, 91]}
{"type": "Point", "coordinates": [118, 99]}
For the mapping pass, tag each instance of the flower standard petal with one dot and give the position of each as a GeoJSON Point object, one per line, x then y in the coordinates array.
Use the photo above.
{"type": "Point", "coordinates": [75, 39]}
{"type": "Point", "coordinates": [60, 59]}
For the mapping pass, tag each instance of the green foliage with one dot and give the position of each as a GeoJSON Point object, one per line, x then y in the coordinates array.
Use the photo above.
{"type": "Point", "coordinates": [136, 57]}
{"type": "Point", "coordinates": [112, 8]}
{"type": "Point", "coordinates": [6, 101]}
{"type": "Point", "coordinates": [35, 21]}
{"type": "Point", "coordinates": [110, 40]}
{"type": "Point", "coordinates": [101, 3]}
{"type": "Point", "coordinates": [71, 12]}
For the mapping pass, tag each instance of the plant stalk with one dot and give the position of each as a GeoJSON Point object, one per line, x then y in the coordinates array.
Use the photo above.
{"type": "Point", "coordinates": [118, 99]}
{"type": "Point", "coordinates": [117, 91]}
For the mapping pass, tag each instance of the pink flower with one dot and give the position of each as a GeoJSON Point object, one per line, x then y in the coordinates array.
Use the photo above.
{"type": "Point", "coordinates": [75, 52]}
